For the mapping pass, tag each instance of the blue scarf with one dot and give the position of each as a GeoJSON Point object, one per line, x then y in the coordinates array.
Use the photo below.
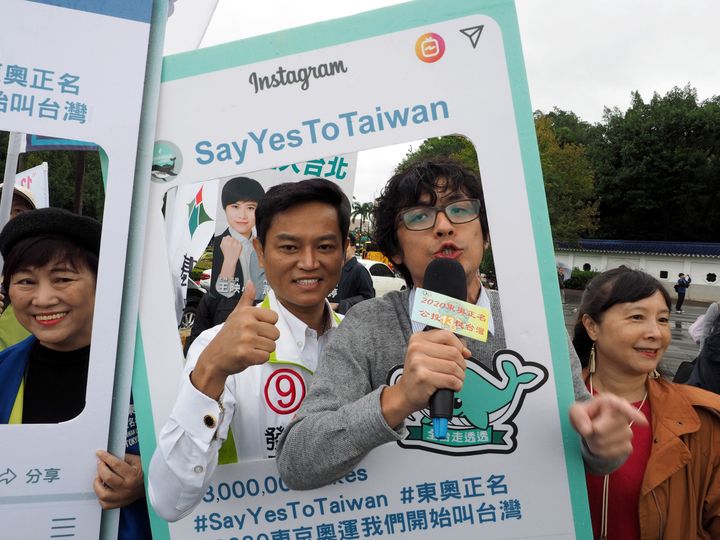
{"type": "Point", "coordinates": [13, 362]}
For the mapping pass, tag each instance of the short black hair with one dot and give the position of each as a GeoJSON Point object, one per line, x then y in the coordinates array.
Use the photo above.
{"type": "Point", "coordinates": [290, 194]}
{"type": "Point", "coordinates": [352, 238]}
{"type": "Point", "coordinates": [241, 188]}
{"type": "Point", "coordinates": [407, 187]}
{"type": "Point", "coordinates": [616, 286]}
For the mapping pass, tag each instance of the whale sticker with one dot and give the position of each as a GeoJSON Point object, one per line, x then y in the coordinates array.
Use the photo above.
{"type": "Point", "coordinates": [484, 409]}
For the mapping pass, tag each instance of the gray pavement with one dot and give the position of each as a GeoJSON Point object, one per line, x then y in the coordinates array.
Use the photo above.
{"type": "Point", "coordinates": [681, 348]}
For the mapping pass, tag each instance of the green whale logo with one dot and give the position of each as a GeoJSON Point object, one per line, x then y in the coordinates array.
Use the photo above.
{"type": "Point", "coordinates": [484, 408]}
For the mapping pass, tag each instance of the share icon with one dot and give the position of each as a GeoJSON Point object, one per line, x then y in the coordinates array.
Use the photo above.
{"type": "Point", "coordinates": [473, 33]}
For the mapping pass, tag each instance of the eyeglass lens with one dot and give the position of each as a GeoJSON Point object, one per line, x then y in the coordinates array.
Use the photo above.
{"type": "Point", "coordinates": [423, 217]}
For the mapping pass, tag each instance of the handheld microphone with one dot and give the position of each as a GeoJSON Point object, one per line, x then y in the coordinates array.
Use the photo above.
{"type": "Point", "coordinates": [444, 276]}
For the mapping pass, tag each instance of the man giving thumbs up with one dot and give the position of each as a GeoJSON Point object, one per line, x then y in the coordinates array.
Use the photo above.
{"type": "Point", "coordinates": [245, 379]}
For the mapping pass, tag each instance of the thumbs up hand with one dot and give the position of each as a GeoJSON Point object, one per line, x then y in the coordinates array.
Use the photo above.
{"type": "Point", "coordinates": [246, 339]}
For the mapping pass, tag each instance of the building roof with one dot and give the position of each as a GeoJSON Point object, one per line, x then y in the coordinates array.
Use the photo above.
{"type": "Point", "coordinates": [643, 247]}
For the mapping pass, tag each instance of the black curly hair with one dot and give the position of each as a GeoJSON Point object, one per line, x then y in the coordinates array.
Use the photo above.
{"type": "Point", "coordinates": [407, 187]}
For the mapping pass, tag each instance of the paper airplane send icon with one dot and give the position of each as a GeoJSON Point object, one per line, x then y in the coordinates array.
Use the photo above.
{"type": "Point", "coordinates": [473, 33]}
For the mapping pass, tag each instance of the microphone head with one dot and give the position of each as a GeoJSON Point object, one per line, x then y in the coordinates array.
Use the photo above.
{"type": "Point", "coordinates": [446, 276]}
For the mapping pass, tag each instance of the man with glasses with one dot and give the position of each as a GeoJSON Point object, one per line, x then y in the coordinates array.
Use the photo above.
{"type": "Point", "coordinates": [430, 210]}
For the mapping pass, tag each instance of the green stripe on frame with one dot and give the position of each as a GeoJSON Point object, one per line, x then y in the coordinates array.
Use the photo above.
{"type": "Point", "coordinates": [146, 428]}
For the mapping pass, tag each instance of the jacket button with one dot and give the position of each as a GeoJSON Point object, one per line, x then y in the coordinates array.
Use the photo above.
{"type": "Point", "coordinates": [209, 421]}
{"type": "Point", "coordinates": [655, 440]}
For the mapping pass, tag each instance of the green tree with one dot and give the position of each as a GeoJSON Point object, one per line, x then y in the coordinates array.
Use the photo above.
{"type": "Point", "coordinates": [658, 168]}
{"type": "Point", "coordinates": [569, 184]}
{"type": "Point", "coordinates": [651, 172]}
{"type": "Point", "coordinates": [61, 176]}
{"type": "Point", "coordinates": [569, 128]}
{"type": "Point", "coordinates": [453, 147]}
{"type": "Point", "coordinates": [363, 211]}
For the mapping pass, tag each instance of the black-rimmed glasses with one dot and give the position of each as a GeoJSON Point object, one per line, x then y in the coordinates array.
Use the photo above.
{"type": "Point", "coordinates": [420, 218]}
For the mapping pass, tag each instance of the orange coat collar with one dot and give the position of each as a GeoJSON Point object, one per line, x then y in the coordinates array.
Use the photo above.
{"type": "Point", "coordinates": [673, 416]}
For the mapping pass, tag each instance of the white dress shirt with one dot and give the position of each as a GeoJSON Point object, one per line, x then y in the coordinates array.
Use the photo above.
{"type": "Point", "coordinates": [255, 406]}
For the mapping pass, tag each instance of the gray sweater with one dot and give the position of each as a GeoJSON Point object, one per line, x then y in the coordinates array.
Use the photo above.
{"type": "Point", "coordinates": [341, 420]}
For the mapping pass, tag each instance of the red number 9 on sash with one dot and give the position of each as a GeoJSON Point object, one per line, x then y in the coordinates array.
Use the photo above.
{"type": "Point", "coordinates": [284, 391]}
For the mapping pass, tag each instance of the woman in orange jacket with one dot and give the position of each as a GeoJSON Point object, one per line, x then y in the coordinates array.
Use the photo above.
{"type": "Point", "coordinates": [669, 487]}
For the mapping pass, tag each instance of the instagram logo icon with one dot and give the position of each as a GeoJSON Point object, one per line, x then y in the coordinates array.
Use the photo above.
{"type": "Point", "coordinates": [430, 47]}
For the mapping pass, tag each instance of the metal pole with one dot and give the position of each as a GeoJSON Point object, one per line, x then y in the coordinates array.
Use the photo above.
{"type": "Point", "coordinates": [9, 180]}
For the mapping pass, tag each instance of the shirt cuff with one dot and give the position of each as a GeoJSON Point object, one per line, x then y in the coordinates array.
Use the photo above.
{"type": "Point", "coordinates": [199, 415]}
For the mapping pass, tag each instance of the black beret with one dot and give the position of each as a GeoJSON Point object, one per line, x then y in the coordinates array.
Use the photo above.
{"type": "Point", "coordinates": [81, 230]}
{"type": "Point", "coordinates": [241, 189]}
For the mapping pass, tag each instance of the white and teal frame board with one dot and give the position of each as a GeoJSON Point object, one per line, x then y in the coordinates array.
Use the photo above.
{"type": "Point", "coordinates": [399, 74]}
{"type": "Point", "coordinates": [74, 69]}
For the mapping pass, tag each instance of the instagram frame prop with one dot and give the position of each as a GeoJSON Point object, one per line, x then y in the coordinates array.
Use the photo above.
{"type": "Point", "coordinates": [72, 82]}
{"type": "Point", "coordinates": [395, 75]}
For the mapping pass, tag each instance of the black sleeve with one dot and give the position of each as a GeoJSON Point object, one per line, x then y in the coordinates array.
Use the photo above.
{"type": "Point", "coordinates": [217, 260]}
{"type": "Point", "coordinates": [362, 288]}
{"type": "Point", "coordinates": [204, 317]}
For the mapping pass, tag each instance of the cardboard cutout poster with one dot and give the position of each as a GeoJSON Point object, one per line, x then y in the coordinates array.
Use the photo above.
{"type": "Point", "coordinates": [395, 75]}
{"type": "Point", "coordinates": [73, 80]}
{"type": "Point", "coordinates": [190, 223]}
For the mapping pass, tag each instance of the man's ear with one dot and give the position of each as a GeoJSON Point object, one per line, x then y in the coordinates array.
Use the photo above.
{"type": "Point", "coordinates": [591, 327]}
{"type": "Point", "coordinates": [397, 258]}
{"type": "Point", "coordinates": [260, 253]}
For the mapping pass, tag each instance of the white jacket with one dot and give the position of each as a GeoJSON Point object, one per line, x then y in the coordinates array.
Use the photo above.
{"type": "Point", "coordinates": [254, 408]}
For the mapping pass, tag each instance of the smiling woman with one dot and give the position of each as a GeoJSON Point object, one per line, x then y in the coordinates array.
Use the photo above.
{"type": "Point", "coordinates": [51, 265]}
{"type": "Point", "coordinates": [51, 259]}
{"type": "Point", "coordinates": [669, 487]}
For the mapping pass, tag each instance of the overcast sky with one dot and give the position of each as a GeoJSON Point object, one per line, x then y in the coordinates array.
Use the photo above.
{"type": "Point", "coordinates": [580, 55]}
